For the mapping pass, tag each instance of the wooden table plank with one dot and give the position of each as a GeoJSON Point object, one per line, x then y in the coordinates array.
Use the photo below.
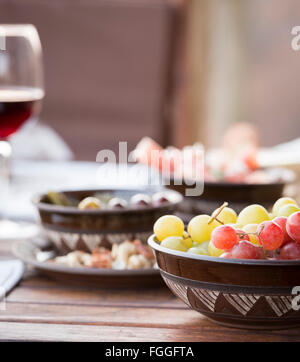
{"type": "Point", "coordinates": [123, 316]}
{"type": "Point", "coordinates": [64, 332]}
{"type": "Point", "coordinates": [131, 318]}
{"type": "Point", "coordinates": [99, 315]}
{"type": "Point", "coordinates": [43, 310]}
{"type": "Point", "coordinates": [160, 297]}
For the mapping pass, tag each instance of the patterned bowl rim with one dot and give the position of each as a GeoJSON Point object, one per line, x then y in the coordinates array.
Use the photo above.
{"type": "Point", "coordinates": [274, 263]}
{"type": "Point", "coordinates": [174, 196]}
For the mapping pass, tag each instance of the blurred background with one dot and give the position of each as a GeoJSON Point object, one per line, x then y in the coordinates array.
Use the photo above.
{"type": "Point", "coordinates": [178, 71]}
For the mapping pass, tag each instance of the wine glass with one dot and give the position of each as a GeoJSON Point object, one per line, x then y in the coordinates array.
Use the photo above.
{"type": "Point", "coordinates": [21, 80]}
{"type": "Point", "coordinates": [21, 88]}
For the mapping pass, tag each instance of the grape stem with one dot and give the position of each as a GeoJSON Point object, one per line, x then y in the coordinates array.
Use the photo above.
{"type": "Point", "coordinates": [262, 242]}
{"type": "Point", "coordinates": [215, 217]}
{"type": "Point", "coordinates": [241, 235]}
{"type": "Point", "coordinates": [260, 238]}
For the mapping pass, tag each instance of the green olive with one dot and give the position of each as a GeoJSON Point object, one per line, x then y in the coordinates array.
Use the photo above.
{"type": "Point", "coordinates": [58, 198]}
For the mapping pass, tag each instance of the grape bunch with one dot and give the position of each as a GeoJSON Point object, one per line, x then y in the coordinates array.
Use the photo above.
{"type": "Point", "coordinates": [253, 234]}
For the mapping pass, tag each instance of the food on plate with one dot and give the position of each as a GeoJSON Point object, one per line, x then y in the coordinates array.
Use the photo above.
{"type": "Point", "coordinates": [127, 255]}
{"type": "Point", "coordinates": [235, 162]}
{"type": "Point", "coordinates": [74, 259]}
{"type": "Point", "coordinates": [107, 201]}
{"type": "Point", "coordinates": [250, 235]}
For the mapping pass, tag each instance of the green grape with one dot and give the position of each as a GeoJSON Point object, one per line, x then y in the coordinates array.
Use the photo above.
{"type": "Point", "coordinates": [168, 225]}
{"type": "Point", "coordinates": [288, 210]}
{"type": "Point", "coordinates": [253, 214]}
{"type": "Point", "coordinates": [213, 251]}
{"type": "Point", "coordinates": [227, 215]}
{"type": "Point", "coordinates": [252, 228]}
{"type": "Point", "coordinates": [198, 250]}
{"type": "Point", "coordinates": [281, 202]}
{"type": "Point", "coordinates": [199, 229]}
{"type": "Point", "coordinates": [187, 239]}
{"type": "Point", "coordinates": [204, 245]}
{"type": "Point", "coordinates": [201, 249]}
{"type": "Point", "coordinates": [236, 226]}
{"type": "Point", "coordinates": [58, 198]}
{"type": "Point", "coordinates": [174, 243]}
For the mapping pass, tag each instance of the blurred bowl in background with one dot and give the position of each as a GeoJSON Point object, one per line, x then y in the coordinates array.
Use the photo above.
{"type": "Point", "coordinates": [238, 195]}
{"type": "Point", "coordinates": [69, 228]}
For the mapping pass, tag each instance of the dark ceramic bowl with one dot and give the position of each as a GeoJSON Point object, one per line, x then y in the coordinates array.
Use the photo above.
{"type": "Point", "coordinates": [238, 195]}
{"type": "Point", "coordinates": [252, 294]}
{"type": "Point", "coordinates": [71, 229]}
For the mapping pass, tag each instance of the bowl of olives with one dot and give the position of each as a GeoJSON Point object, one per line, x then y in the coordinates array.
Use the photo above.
{"type": "Point", "coordinates": [86, 219]}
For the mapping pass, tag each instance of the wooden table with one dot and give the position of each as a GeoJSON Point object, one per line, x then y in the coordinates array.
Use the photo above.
{"type": "Point", "coordinates": [39, 309]}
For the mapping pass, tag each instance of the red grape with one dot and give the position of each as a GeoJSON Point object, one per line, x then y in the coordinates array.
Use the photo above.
{"type": "Point", "coordinates": [290, 251]}
{"type": "Point", "coordinates": [281, 221]}
{"type": "Point", "coordinates": [247, 250]}
{"type": "Point", "coordinates": [224, 237]}
{"type": "Point", "coordinates": [270, 235]}
{"type": "Point", "coordinates": [271, 254]}
{"type": "Point", "coordinates": [293, 226]}
{"type": "Point", "coordinates": [226, 255]}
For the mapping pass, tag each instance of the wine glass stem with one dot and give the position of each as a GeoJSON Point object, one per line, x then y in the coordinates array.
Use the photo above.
{"type": "Point", "coordinates": [5, 158]}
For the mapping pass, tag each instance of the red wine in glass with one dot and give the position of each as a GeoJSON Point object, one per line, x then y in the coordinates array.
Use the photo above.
{"type": "Point", "coordinates": [17, 105]}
